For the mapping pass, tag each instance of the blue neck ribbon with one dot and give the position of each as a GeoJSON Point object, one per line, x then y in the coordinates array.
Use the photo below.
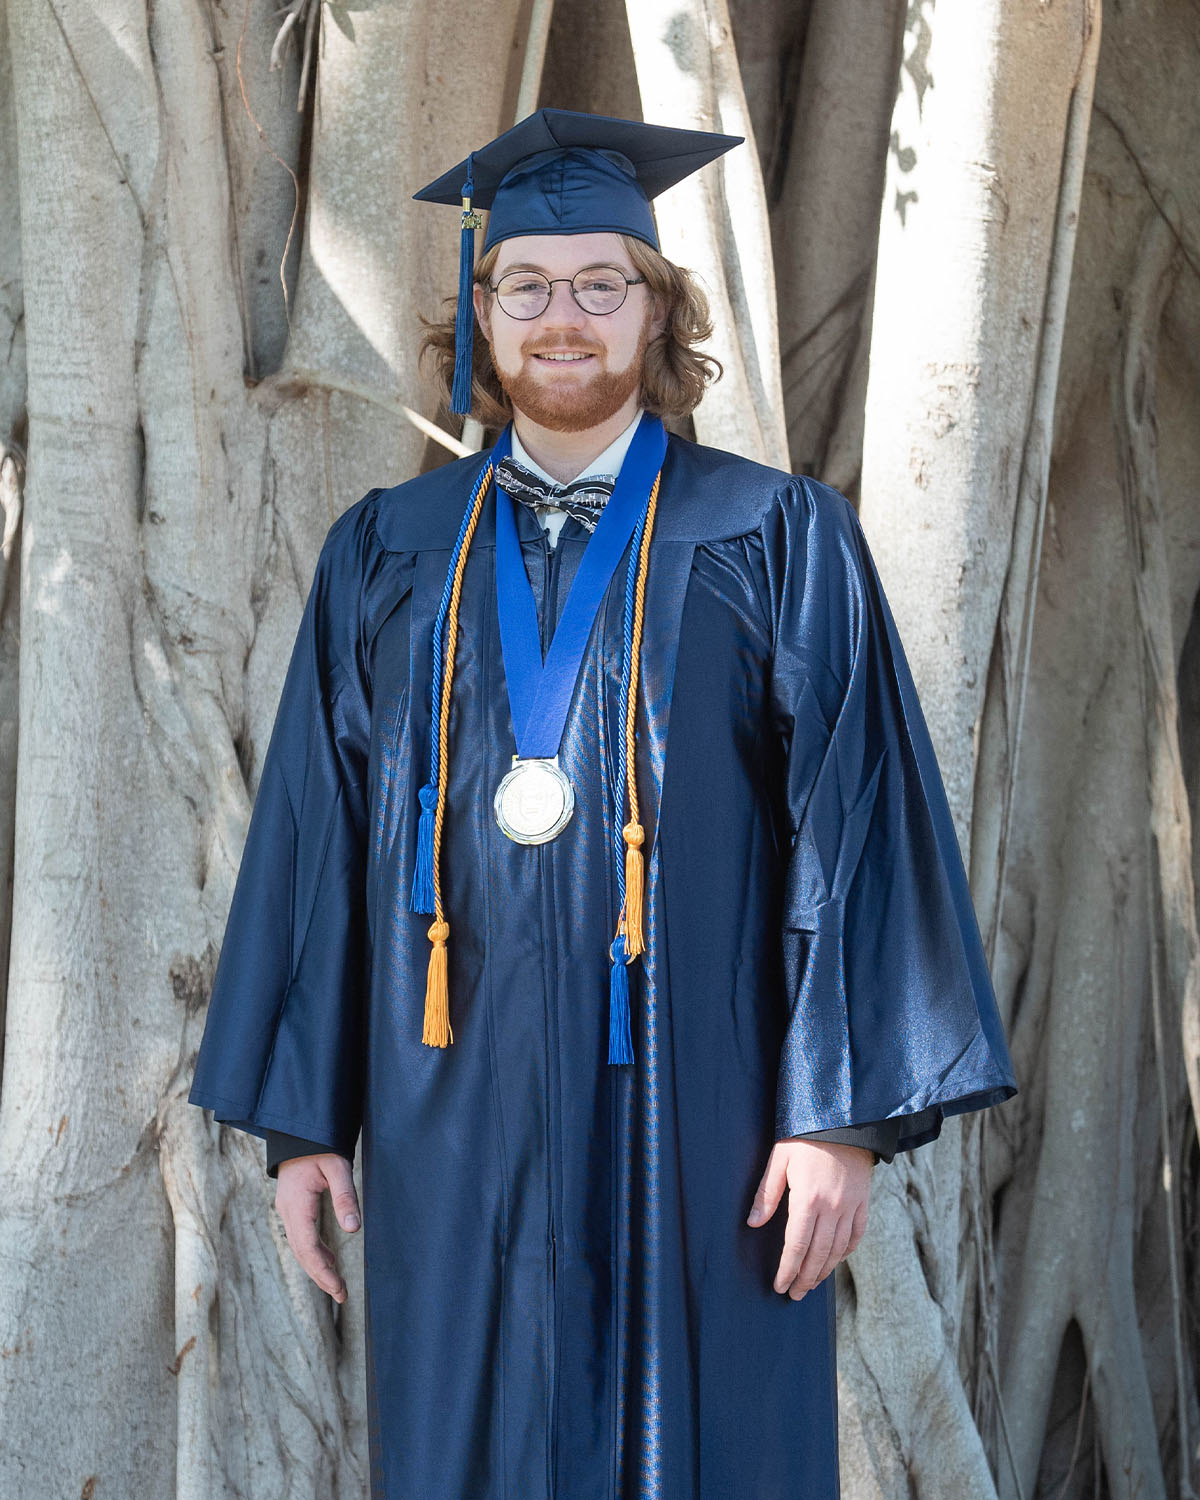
{"type": "Point", "coordinates": [539, 693]}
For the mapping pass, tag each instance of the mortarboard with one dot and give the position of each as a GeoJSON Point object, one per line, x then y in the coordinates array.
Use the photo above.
{"type": "Point", "coordinates": [559, 171]}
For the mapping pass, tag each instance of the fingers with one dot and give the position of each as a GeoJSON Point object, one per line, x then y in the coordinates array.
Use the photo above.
{"type": "Point", "coordinates": [808, 1277]}
{"type": "Point", "coordinates": [310, 1250]}
{"type": "Point", "coordinates": [770, 1189]}
{"type": "Point", "coordinates": [806, 1243]}
{"type": "Point", "coordinates": [302, 1183]}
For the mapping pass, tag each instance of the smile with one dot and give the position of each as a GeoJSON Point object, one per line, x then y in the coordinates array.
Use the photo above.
{"type": "Point", "coordinates": [561, 358]}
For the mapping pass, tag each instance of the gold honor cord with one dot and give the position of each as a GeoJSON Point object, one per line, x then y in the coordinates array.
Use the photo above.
{"type": "Point", "coordinates": [632, 833]}
{"type": "Point", "coordinates": [437, 1032]}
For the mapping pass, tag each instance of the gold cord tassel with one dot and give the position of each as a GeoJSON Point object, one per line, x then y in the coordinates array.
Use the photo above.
{"type": "Point", "coordinates": [437, 991]}
{"type": "Point", "coordinates": [633, 835]}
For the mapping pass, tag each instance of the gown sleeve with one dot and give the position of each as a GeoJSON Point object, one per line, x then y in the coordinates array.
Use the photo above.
{"type": "Point", "coordinates": [892, 1015]}
{"type": "Point", "coordinates": [283, 1040]}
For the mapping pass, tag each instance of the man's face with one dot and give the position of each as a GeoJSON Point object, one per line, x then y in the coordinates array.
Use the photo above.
{"type": "Point", "coordinates": [566, 369]}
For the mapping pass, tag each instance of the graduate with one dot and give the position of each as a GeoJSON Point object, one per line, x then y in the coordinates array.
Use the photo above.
{"type": "Point", "coordinates": [601, 885]}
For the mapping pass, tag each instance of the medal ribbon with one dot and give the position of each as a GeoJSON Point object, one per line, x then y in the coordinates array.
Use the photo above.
{"type": "Point", "coordinates": [539, 693]}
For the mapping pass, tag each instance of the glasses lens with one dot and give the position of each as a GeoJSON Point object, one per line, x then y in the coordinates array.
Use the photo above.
{"type": "Point", "coordinates": [523, 294]}
{"type": "Point", "coordinates": [600, 290]}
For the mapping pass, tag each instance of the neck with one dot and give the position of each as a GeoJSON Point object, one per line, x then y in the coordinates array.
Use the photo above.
{"type": "Point", "coordinates": [567, 454]}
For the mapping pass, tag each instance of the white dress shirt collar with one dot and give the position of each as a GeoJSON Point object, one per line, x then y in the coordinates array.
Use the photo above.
{"type": "Point", "coordinates": [608, 462]}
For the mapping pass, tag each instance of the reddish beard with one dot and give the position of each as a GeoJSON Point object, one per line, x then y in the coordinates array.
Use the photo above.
{"type": "Point", "coordinates": [572, 405]}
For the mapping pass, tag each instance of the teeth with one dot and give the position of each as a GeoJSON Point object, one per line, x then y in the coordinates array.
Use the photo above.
{"type": "Point", "coordinates": [564, 356]}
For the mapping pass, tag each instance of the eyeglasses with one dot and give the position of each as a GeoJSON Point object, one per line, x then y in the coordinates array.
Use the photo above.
{"type": "Point", "coordinates": [596, 289]}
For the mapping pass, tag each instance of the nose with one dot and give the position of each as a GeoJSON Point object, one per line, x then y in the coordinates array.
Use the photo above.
{"type": "Point", "coordinates": [562, 310]}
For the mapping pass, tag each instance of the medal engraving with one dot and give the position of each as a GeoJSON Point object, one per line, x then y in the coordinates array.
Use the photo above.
{"type": "Point", "coordinates": [535, 801]}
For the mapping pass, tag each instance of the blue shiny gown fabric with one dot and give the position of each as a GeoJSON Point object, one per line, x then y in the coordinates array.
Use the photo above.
{"type": "Point", "coordinates": [563, 1296]}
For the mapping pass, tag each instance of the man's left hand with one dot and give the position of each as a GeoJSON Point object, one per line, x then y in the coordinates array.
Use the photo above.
{"type": "Point", "coordinates": [829, 1185]}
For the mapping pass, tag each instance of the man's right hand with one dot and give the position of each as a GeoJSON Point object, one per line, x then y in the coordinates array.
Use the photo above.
{"type": "Point", "coordinates": [300, 1183]}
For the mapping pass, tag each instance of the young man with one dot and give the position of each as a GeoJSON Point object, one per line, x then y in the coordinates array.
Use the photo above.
{"type": "Point", "coordinates": [629, 719]}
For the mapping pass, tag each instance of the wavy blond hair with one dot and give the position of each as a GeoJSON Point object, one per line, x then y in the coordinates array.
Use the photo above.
{"type": "Point", "coordinates": [674, 377]}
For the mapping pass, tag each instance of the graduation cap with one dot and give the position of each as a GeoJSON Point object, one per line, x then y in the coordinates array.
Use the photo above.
{"type": "Point", "coordinates": [562, 172]}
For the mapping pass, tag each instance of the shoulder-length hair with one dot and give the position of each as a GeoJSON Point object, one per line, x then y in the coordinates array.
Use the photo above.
{"type": "Point", "coordinates": [675, 376]}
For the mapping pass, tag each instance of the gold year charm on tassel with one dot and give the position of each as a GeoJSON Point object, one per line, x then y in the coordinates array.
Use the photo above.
{"type": "Point", "coordinates": [535, 801]}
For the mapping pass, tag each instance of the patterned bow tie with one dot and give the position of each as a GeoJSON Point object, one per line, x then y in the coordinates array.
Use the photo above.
{"type": "Point", "coordinates": [582, 498]}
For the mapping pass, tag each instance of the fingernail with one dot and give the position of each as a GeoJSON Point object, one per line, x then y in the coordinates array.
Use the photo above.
{"type": "Point", "coordinates": [351, 1221]}
{"type": "Point", "coordinates": [755, 1216]}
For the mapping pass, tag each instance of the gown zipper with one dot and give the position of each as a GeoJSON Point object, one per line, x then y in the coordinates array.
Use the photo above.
{"type": "Point", "coordinates": [550, 575]}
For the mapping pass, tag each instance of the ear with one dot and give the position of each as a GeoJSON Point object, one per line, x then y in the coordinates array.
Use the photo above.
{"type": "Point", "coordinates": [483, 310]}
{"type": "Point", "coordinates": [658, 320]}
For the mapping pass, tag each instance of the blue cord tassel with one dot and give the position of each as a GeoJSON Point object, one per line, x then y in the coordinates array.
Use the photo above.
{"type": "Point", "coordinates": [464, 316]}
{"type": "Point", "coordinates": [422, 887]}
{"type": "Point", "coordinates": [620, 1044]}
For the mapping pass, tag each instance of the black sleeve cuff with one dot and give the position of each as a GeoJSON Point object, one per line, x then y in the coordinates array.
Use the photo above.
{"type": "Point", "coordinates": [281, 1147]}
{"type": "Point", "coordinates": [879, 1136]}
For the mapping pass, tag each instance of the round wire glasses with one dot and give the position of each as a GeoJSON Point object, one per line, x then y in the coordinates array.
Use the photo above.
{"type": "Point", "coordinates": [596, 289]}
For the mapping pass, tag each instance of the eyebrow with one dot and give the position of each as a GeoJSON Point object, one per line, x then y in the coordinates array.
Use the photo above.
{"type": "Point", "coordinates": [528, 265]}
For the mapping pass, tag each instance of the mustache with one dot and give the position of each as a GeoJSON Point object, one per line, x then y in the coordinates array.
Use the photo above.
{"type": "Point", "coordinates": [561, 346]}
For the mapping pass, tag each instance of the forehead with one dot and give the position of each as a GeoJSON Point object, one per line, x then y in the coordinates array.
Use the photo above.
{"type": "Point", "coordinates": [562, 254]}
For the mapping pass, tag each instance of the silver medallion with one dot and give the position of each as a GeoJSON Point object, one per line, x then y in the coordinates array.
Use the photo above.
{"type": "Point", "coordinates": [535, 801]}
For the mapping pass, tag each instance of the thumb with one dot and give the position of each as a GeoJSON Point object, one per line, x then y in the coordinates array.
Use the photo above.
{"type": "Point", "coordinates": [339, 1174]}
{"type": "Point", "coordinates": [770, 1189]}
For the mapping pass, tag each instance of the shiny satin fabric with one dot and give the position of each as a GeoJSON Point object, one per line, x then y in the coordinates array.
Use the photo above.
{"type": "Point", "coordinates": [563, 1296]}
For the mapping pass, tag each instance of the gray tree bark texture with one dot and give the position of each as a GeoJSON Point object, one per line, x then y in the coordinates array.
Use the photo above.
{"type": "Point", "coordinates": [956, 273]}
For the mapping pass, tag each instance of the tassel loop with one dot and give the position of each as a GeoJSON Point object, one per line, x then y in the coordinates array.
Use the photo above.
{"type": "Point", "coordinates": [421, 899]}
{"type": "Point", "coordinates": [437, 1030]}
{"type": "Point", "coordinates": [634, 838]}
{"type": "Point", "coordinates": [620, 1043]}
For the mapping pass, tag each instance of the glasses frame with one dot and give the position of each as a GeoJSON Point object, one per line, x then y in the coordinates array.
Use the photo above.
{"type": "Point", "coordinates": [552, 281]}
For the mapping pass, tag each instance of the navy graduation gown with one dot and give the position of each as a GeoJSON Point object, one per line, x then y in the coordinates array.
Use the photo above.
{"type": "Point", "coordinates": [562, 1295]}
